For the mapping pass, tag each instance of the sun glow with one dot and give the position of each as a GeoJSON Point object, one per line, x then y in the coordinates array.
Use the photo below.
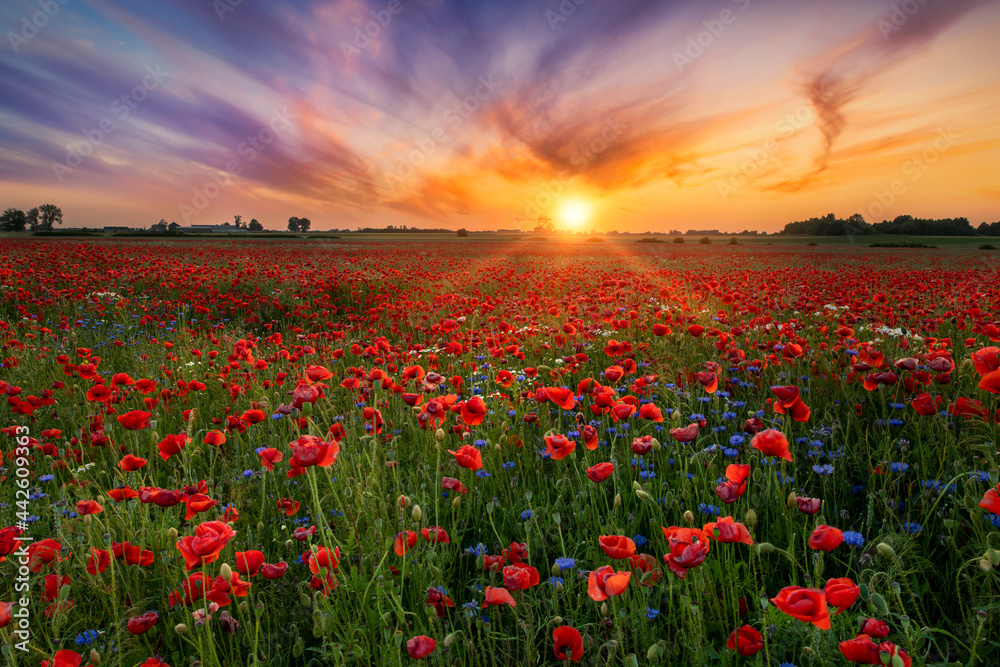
{"type": "Point", "coordinates": [574, 213]}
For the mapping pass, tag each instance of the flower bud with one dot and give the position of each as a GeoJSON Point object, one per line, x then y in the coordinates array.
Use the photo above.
{"type": "Point", "coordinates": [171, 533]}
{"type": "Point", "coordinates": [676, 415]}
{"type": "Point", "coordinates": [556, 621]}
{"type": "Point", "coordinates": [226, 572]}
{"type": "Point", "coordinates": [642, 495]}
{"type": "Point", "coordinates": [180, 629]}
{"type": "Point", "coordinates": [765, 547]}
{"type": "Point", "coordinates": [604, 609]}
{"type": "Point", "coordinates": [885, 550]}
{"type": "Point", "coordinates": [450, 639]}
{"type": "Point", "coordinates": [439, 435]}
{"type": "Point", "coordinates": [654, 652]}
{"type": "Point", "coordinates": [791, 502]}
{"type": "Point", "coordinates": [456, 501]}
{"type": "Point", "coordinates": [985, 565]}
{"type": "Point", "coordinates": [95, 658]}
{"type": "Point", "coordinates": [993, 556]}
{"type": "Point", "coordinates": [618, 500]}
{"type": "Point", "coordinates": [402, 501]}
{"type": "Point", "coordinates": [417, 513]}
{"type": "Point", "coordinates": [750, 519]}
{"type": "Point", "coordinates": [689, 517]}
{"type": "Point", "coordinates": [288, 544]}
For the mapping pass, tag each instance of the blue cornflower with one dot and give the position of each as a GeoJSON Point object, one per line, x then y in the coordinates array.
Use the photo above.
{"type": "Point", "coordinates": [482, 473]}
{"type": "Point", "coordinates": [651, 613]}
{"type": "Point", "coordinates": [823, 470]}
{"type": "Point", "coordinates": [248, 473]}
{"type": "Point", "coordinates": [49, 478]}
{"type": "Point", "coordinates": [87, 636]}
{"type": "Point", "coordinates": [979, 475]}
{"type": "Point", "coordinates": [527, 514]}
{"type": "Point", "coordinates": [912, 528]}
{"type": "Point", "coordinates": [853, 538]}
{"type": "Point", "coordinates": [555, 581]}
{"type": "Point", "coordinates": [507, 465]}
{"type": "Point", "coordinates": [705, 508]}
{"type": "Point", "coordinates": [477, 550]}
{"type": "Point", "coordinates": [736, 440]}
{"type": "Point", "coordinates": [899, 467]}
{"type": "Point", "coordinates": [566, 563]}
{"type": "Point", "coordinates": [639, 540]}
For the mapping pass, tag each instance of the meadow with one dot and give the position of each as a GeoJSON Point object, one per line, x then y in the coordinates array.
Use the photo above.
{"type": "Point", "coordinates": [259, 452]}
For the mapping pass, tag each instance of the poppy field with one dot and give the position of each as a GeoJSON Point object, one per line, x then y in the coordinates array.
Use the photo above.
{"type": "Point", "coordinates": [321, 453]}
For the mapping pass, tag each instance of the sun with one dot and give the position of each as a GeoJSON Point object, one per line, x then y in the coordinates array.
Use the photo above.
{"type": "Point", "coordinates": [574, 213]}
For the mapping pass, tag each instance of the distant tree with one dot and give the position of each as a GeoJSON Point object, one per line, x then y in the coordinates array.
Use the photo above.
{"type": "Point", "coordinates": [12, 220]}
{"type": "Point", "coordinates": [704, 240]}
{"type": "Point", "coordinates": [293, 224]}
{"type": "Point", "coordinates": [31, 218]}
{"type": "Point", "coordinates": [304, 224]}
{"type": "Point", "coordinates": [463, 232]}
{"type": "Point", "coordinates": [255, 226]}
{"type": "Point", "coordinates": [49, 215]}
{"type": "Point", "coordinates": [678, 239]}
{"type": "Point", "coordinates": [238, 221]}
{"type": "Point", "coordinates": [544, 225]}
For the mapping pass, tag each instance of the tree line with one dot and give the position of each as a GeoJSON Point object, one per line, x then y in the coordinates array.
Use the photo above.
{"type": "Point", "coordinates": [830, 225]}
{"type": "Point", "coordinates": [38, 219]}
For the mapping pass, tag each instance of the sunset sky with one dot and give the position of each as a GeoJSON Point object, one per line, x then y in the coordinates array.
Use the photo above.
{"type": "Point", "coordinates": [605, 114]}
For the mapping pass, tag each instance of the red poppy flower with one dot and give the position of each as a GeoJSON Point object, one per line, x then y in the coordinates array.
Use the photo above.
{"type": "Point", "coordinates": [620, 411]}
{"type": "Point", "coordinates": [875, 628]}
{"type": "Point", "coordinates": [644, 564]}
{"type": "Point", "coordinates": [468, 457]}
{"type": "Point", "coordinates": [991, 382]}
{"type": "Point", "coordinates": [135, 420]}
{"type": "Point", "coordinates": [64, 658]}
{"type": "Point", "coordinates": [100, 393]}
{"type": "Point", "coordinates": [452, 484]}
{"type": "Point", "coordinates": [420, 647]}
{"type": "Point", "coordinates": [5, 613]}
{"type": "Point", "coordinates": [321, 561]}
{"type": "Point", "coordinates": [318, 373]}
{"type": "Point", "coordinates": [991, 500]}
{"type": "Point", "coordinates": [206, 544]}
{"type": "Point", "coordinates": [826, 538]}
{"type": "Point", "coordinates": [130, 463]}
{"type": "Point", "coordinates": [253, 416]}
{"type": "Point", "coordinates": [215, 438]}
{"type": "Point", "coordinates": [435, 534]}
{"type": "Point", "coordinates": [696, 330]}
{"type": "Point", "coordinates": [771, 443]}
{"type": "Point", "coordinates": [589, 435]}
{"type": "Point", "coordinates": [9, 542]}
{"type": "Point", "coordinates": [891, 650]}
{"type": "Point", "coordinates": [173, 444]}
{"type": "Point", "coordinates": [806, 604]}
{"type": "Point", "coordinates": [496, 595]}
{"type": "Point", "coordinates": [98, 562]}
{"type": "Point", "coordinates": [642, 445]}
{"type": "Point", "coordinates": [140, 625]}
{"type": "Point", "coordinates": [85, 507]}
{"type": "Point", "coordinates": [605, 582]}
{"type": "Point", "coordinates": [841, 593]}
{"type": "Point", "coordinates": [926, 405]}
{"type": "Point", "coordinates": [288, 506]}
{"type": "Point", "coordinates": [310, 450]}
{"type": "Point", "coordinates": [986, 360]}
{"type": "Point", "coordinates": [562, 397]}
{"type": "Point", "coordinates": [616, 547]}
{"type": "Point", "coordinates": [274, 571]}
{"type": "Point", "coordinates": [505, 379]}
{"type": "Point", "coordinates": [860, 650]}
{"type": "Point", "coordinates": [808, 505]}
{"type": "Point", "coordinates": [650, 412]}
{"type": "Point", "coordinates": [439, 601]}
{"type": "Point", "coordinates": [729, 531]}
{"type": "Point", "coordinates": [270, 456]}
{"type": "Point", "coordinates": [516, 552]}
{"type": "Point", "coordinates": [558, 447]}
{"type": "Point", "coordinates": [519, 576]}
{"type": "Point", "coordinates": [567, 643]}
{"type": "Point", "coordinates": [473, 411]}
{"type": "Point", "coordinates": [746, 641]}
{"type": "Point", "coordinates": [122, 494]}
{"type": "Point", "coordinates": [789, 403]}
{"type": "Point", "coordinates": [132, 554]}
{"type": "Point", "coordinates": [405, 541]}
{"type": "Point", "coordinates": [600, 472]}
{"type": "Point", "coordinates": [685, 434]}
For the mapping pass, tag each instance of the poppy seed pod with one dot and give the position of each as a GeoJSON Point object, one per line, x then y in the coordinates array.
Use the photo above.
{"type": "Point", "coordinates": [885, 550]}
